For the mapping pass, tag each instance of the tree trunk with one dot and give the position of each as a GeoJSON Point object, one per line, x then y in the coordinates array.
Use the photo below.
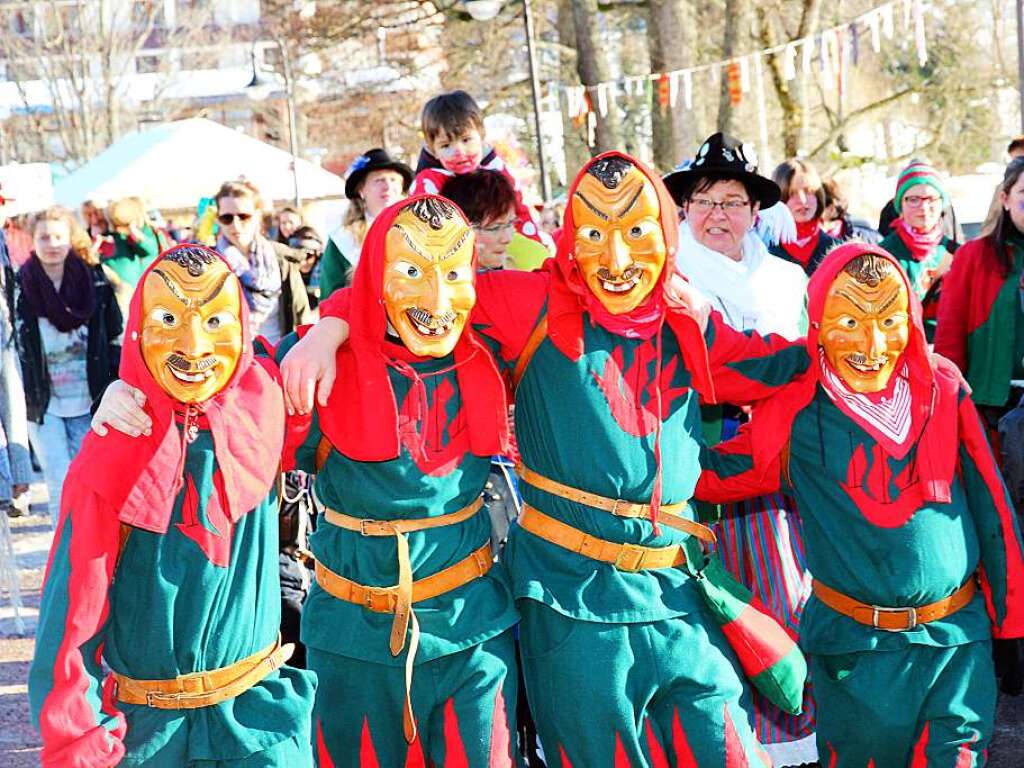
{"type": "Point", "coordinates": [593, 68]}
{"type": "Point", "coordinates": [735, 15]}
{"type": "Point", "coordinates": [574, 135]}
{"type": "Point", "coordinates": [670, 50]}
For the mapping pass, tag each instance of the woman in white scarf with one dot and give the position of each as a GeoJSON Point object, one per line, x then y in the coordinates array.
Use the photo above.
{"type": "Point", "coordinates": [721, 254]}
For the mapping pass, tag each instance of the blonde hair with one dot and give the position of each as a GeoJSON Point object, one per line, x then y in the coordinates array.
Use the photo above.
{"type": "Point", "coordinates": [240, 188]}
{"type": "Point", "coordinates": [81, 243]}
{"type": "Point", "coordinates": [126, 211]}
{"type": "Point", "coordinates": [355, 219]}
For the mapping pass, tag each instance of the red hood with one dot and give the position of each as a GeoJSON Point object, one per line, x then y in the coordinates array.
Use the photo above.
{"type": "Point", "coordinates": [361, 417]}
{"type": "Point", "coordinates": [934, 385]}
{"type": "Point", "coordinates": [246, 419]}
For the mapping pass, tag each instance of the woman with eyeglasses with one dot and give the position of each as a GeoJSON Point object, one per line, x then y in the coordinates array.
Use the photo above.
{"type": "Point", "coordinates": [917, 239]}
{"type": "Point", "coordinates": [489, 201]}
{"type": "Point", "coordinates": [274, 289]}
{"type": "Point", "coordinates": [760, 540]}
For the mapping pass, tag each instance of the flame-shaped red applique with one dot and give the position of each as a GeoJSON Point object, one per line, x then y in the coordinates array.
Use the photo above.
{"type": "Point", "coordinates": [833, 758]}
{"type": "Point", "coordinates": [367, 754]}
{"type": "Point", "coordinates": [684, 753]}
{"type": "Point", "coordinates": [625, 390]}
{"type": "Point", "coordinates": [919, 758]}
{"type": "Point", "coordinates": [658, 757]}
{"type": "Point", "coordinates": [735, 754]}
{"type": "Point", "coordinates": [215, 544]}
{"type": "Point", "coordinates": [565, 757]}
{"type": "Point", "coordinates": [621, 760]}
{"type": "Point", "coordinates": [414, 755]}
{"type": "Point", "coordinates": [424, 442]}
{"type": "Point", "coordinates": [873, 496]}
{"type": "Point", "coordinates": [454, 751]}
{"type": "Point", "coordinates": [323, 757]}
{"type": "Point", "coordinates": [501, 743]}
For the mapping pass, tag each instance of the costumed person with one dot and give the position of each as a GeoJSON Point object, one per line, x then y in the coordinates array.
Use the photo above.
{"type": "Point", "coordinates": [269, 271]}
{"type": "Point", "coordinates": [67, 327]}
{"type": "Point", "coordinates": [453, 129]}
{"type": "Point", "coordinates": [917, 238]}
{"type": "Point", "coordinates": [608, 354]}
{"type": "Point", "coordinates": [760, 539]}
{"type": "Point", "coordinates": [408, 622]}
{"type": "Point", "coordinates": [804, 195]}
{"type": "Point", "coordinates": [158, 629]}
{"type": "Point", "coordinates": [914, 547]}
{"type": "Point", "coordinates": [375, 181]}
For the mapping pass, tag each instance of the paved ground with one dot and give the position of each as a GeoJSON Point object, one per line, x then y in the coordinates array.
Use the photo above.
{"type": "Point", "coordinates": [19, 743]}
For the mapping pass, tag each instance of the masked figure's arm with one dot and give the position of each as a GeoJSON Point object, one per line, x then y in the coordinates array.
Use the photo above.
{"type": "Point", "coordinates": [746, 366]}
{"type": "Point", "coordinates": [999, 537]}
{"type": "Point", "coordinates": [71, 702]}
{"type": "Point", "coordinates": [309, 366]}
{"type": "Point", "coordinates": [728, 473]}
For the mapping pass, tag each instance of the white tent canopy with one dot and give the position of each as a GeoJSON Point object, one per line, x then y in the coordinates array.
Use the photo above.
{"type": "Point", "coordinates": [175, 164]}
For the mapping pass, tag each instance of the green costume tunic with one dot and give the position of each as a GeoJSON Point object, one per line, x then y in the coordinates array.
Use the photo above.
{"type": "Point", "coordinates": [922, 273]}
{"type": "Point", "coordinates": [462, 632]}
{"type": "Point", "coordinates": [132, 257]}
{"type": "Point", "coordinates": [201, 596]}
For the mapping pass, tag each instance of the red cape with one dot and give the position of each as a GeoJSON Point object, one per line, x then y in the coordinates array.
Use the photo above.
{"type": "Point", "coordinates": [361, 417]}
{"type": "Point", "coordinates": [141, 476]}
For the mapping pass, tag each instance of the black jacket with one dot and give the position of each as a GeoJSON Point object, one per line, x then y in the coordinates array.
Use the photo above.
{"type": "Point", "coordinates": [103, 354]}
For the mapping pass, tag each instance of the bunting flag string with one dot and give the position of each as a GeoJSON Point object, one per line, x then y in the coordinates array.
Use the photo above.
{"type": "Point", "coordinates": [832, 51]}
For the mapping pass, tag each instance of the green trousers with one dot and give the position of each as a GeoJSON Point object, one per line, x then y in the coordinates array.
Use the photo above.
{"type": "Point", "coordinates": [919, 706]}
{"type": "Point", "coordinates": [662, 693]}
{"type": "Point", "coordinates": [464, 705]}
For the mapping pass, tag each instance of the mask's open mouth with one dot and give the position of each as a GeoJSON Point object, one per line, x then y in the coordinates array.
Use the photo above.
{"type": "Point", "coordinates": [862, 364]}
{"type": "Point", "coordinates": [192, 372]}
{"type": "Point", "coordinates": [620, 284]}
{"type": "Point", "coordinates": [427, 324]}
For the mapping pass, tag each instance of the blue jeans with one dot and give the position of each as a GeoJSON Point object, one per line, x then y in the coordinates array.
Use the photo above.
{"type": "Point", "coordinates": [56, 441]}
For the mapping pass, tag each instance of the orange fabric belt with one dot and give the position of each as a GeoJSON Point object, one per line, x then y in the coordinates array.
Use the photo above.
{"type": "Point", "coordinates": [399, 598]}
{"type": "Point", "coordinates": [203, 689]}
{"type": "Point", "coordinates": [895, 619]}
{"type": "Point", "coordinates": [626, 557]}
{"type": "Point", "coordinates": [670, 513]}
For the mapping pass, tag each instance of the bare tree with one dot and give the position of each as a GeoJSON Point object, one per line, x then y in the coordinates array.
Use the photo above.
{"type": "Point", "coordinates": [669, 40]}
{"type": "Point", "coordinates": [592, 66]}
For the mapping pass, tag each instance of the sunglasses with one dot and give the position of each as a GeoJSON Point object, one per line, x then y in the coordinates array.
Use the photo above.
{"type": "Point", "coordinates": [228, 218]}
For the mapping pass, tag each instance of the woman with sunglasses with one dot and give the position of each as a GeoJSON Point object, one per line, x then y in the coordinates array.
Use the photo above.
{"type": "Point", "coordinates": [273, 283]}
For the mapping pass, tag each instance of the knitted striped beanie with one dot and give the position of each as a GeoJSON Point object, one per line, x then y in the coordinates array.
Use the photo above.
{"type": "Point", "coordinates": [918, 172]}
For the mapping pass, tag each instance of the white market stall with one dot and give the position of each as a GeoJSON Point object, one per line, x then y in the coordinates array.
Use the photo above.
{"type": "Point", "coordinates": [173, 166]}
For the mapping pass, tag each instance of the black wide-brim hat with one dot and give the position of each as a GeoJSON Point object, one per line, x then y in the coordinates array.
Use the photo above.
{"type": "Point", "coordinates": [375, 159]}
{"type": "Point", "coordinates": [723, 157]}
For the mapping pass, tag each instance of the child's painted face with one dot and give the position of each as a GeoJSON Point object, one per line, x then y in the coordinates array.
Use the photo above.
{"type": "Point", "coordinates": [461, 153]}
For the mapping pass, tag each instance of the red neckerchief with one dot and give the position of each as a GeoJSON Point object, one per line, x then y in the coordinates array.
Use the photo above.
{"type": "Point", "coordinates": [807, 235]}
{"type": "Point", "coordinates": [569, 297]}
{"type": "Point", "coordinates": [920, 244]}
{"type": "Point", "coordinates": [935, 385]}
{"type": "Point", "coordinates": [361, 417]}
{"type": "Point", "coordinates": [141, 476]}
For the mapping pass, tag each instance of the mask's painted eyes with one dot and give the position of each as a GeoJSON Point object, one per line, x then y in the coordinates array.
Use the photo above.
{"type": "Point", "coordinates": [165, 317]}
{"type": "Point", "coordinates": [593, 234]}
{"type": "Point", "coordinates": [219, 320]}
{"type": "Point", "coordinates": [640, 229]}
{"type": "Point", "coordinates": [894, 321]}
{"type": "Point", "coordinates": [847, 322]}
{"type": "Point", "coordinates": [456, 274]}
{"type": "Point", "coordinates": [406, 269]}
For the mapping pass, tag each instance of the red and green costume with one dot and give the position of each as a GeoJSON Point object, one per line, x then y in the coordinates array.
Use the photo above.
{"type": "Point", "coordinates": [925, 259]}
{"type": "Point", "coordinates": [410, 438]}
{"type": "Point", "coordinates": [890, 524]}
{"type": "Point", "coordinates": [981, 319]}
{"type": "Point", "coordinates": [609, 404]}
{"type": "Point", "coordinates": [164, 565]}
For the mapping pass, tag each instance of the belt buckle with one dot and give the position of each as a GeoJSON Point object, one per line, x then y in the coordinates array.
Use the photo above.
{"type": "Point", "coordinates": [911, 618]}
{"type": "Point", "coordinates": [373, 594]}
{"type": "Point", "coordinates": [630, 558]}
{"type": "Point", "coordinates": [363, 524]}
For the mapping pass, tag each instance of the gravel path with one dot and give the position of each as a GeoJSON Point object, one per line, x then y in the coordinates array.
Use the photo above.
{"type": "Point", "coordinates": [19, 743]}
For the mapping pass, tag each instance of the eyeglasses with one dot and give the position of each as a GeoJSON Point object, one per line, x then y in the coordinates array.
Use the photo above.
{"type": "Point", "coordinates": [494, 229]}
{"type": "Point", "coordinates": [705, 205]}
{"type": "Point", "coordinates": [915, 201]}
{"type": "Point", "coordinates": [228, 218]}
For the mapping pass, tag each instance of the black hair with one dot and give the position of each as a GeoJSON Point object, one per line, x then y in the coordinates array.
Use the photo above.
{"type": "Point", "coordinates": [433, 211]}
{"type": "Point", "coordinates": [704, 183]}
{"type": "Point", "coordinates": [451, 113]}
{"type": "Point", "coordinates": [481, 194]}
{"type": "Point", "coordinates": [1005, 227]}
{"type": "Point", "coordinates": [190, 257]}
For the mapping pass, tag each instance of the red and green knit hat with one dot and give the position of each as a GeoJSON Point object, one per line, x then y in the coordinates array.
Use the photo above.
{"type": "Point", "coordinates": [918, 172]}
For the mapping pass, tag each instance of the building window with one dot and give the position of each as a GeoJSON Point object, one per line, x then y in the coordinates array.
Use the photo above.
{"type": "Point", "coordinates": [147, 64]}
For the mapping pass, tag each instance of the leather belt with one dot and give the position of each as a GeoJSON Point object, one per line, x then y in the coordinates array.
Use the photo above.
{"type": "Point", "coordinates": [626, 557]}
{"type": "Point", "coordinates": [895, 619]}
{"type": "Point", "coordinates": [203, 689]}
{"type": "Point", "coordinates": [399, 598]}
{"type": "Point", "coordinates": [620, 508]}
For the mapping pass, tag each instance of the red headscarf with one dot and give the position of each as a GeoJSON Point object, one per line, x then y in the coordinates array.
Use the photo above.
{"type": "Point", "coordinates": [141, 476]}
{"type": "Point", "coordinates": [361, 417]}
{"type": "Point", "coordinates": [934, 386]}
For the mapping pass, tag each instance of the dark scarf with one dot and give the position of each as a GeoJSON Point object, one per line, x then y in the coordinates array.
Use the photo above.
{"type": "Point", "coordinates": [68, 308]}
